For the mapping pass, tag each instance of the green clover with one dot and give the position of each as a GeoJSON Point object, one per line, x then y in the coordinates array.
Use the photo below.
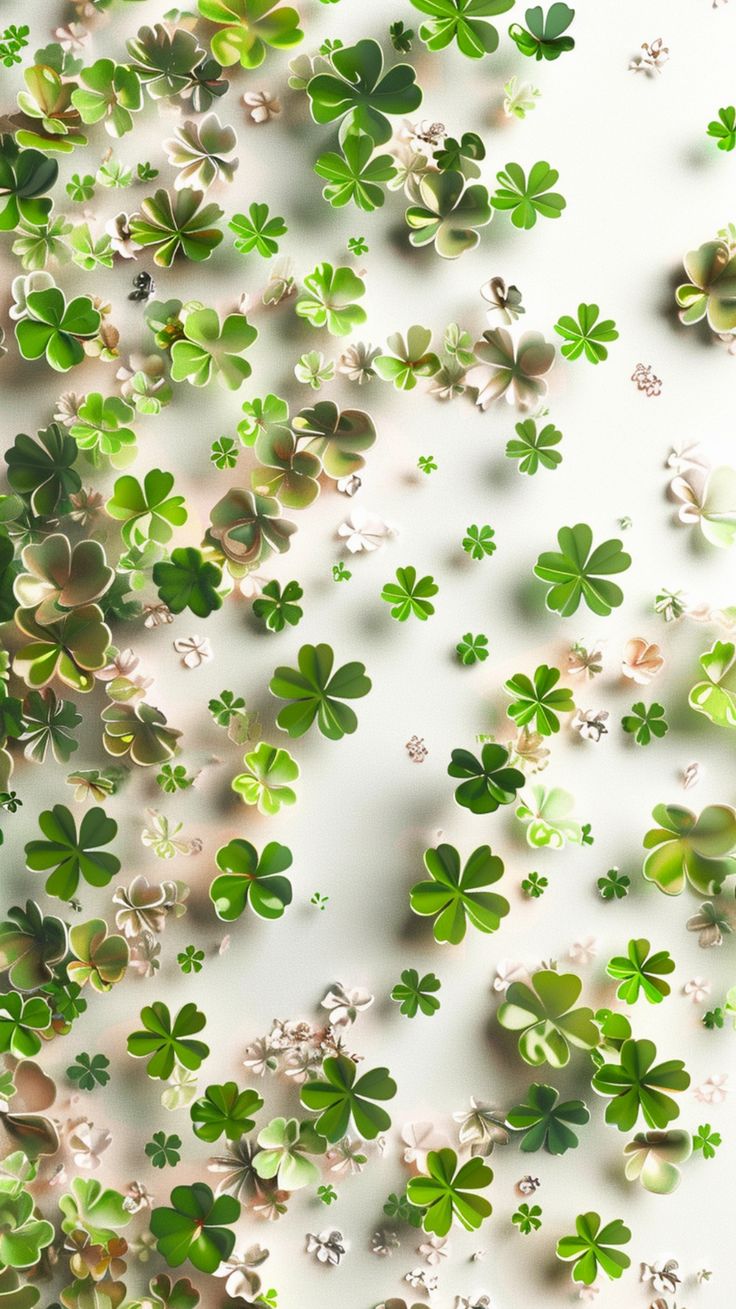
{"type": "Point", "coordinates": [138, 730]}
{"type": "Point", "coordinates": [544, 1014]}
{"type": "Point", "coordinates": [148, 512]}
{"type": "Point", "coordinates": [41, 468]}
{"type": "Point", "coordinates": [89, 1071]}
{"type": "Point", "coordinates": [593, 1248]}
{"type": "Point", "coordinates": [209, 350]}
{"type": "Point", "coordinates": [25, 176]}
{"type": "Point", "coordinates": [448, 214]}
{"type": "Point", "coordinates": [447, 1192]}
{"type": "Point", "coordinates": [410, 360]}
{"type": "Point", "coordinates": [409, 597]}
{"type": "Point", "coordinates": [276, 606]}
{"type": "Point", "coordinates": [356, 175]}
{"type": "Point", "coordinates": [472, 649]}
{"type": "Point", "coordinates": [316, 693]}
{"type": "Point", "coordinates": [453, 897]}
{"type": "Point", "coordinates": [21, 1021]}
{"type": "Point", "coordinates": [528, 198]}
{"type": "Point", "coordinates": [249, 28]}
{"type": "Point", "coordinates": [113, 93]}
{"type": "Point", "coordinates": [723, 128]}
{"type": "Point", "coordinates": [488, 781]}
{"type": "Point", "coordinates": [55, 329]}
{"type": "Point", "coordinates": [706, 1140]}
{"type": "Point", "coordinates": [177, 226]}
{"type": "Point", "coordinates": [338, 1098]}
{"type": "Point", "coordinates": [685, 848]}
{"type": "Point", "coordinates": [357, 92]}
{"type": "Point", "coordinates": [461, 21]}
{"type": "Point", "coordinates": [535, 449]}
{"type": "Point", "coordinates": [652, 1159]}
{"type": "Point", "coordinates": [527, 1219]}
{"type": "Point", "coordinates": [258, 232]}
{"type": "Point", "coordinates": [579, 572]}
{"type": "Point", "coordinates": [89, 1207]}
{"type": "Point", "coordinates": [268, 770]}
{"type": "Point", "coordinates": [194, 1228]}
{"type": "Point", "coordinates": [163, 1150]}
{"type": "Point", "coordinates": [415, 993]}
{"type": "Point", "coordinates": [543, 37]}
{"type": "Point", "coordinates": [586, 334]}
{"type": "Point", "coordinates": [23, 1238]}
{"type": "Point", "coordinates": [73, 855]}
{"type": "Point", "coordinates": [248, 878]}
{"type": "Point", "coordinates": [644, 724]}
{"type": "Point", "coordinates": [711, 290]}
{"type": "Point", "coordinates": [168, 1044]}
{"type": "Point", "coordinates": [537, 701]}
{"type": "Point", "coordinates": [336, 437]}
{"type": "Point", "coordinates": [715, 696]}
{"type": "Point", "coordinates": [224, 1110]}
{"type": "Point", "coordinates": [30, 945]}
{"type": "Point", "coordinates": [284, 1144]}
{"type": "Point", "coordinates": [329, 299]}
{"type": "Point", "coordinates": [186, 580]}
{"type": "Point", "coordinates": [636, 1086]}
{"type": "Point", "coordinates": [478, 541]}
{"type": "Point", "coordinates": [545, 1122]}
{"type": "Point", "coordinates": [641, 973]}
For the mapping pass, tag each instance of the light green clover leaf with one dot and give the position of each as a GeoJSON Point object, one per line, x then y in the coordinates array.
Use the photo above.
{"type": "Point", "coordinates": [549, 823]}
{"type": "Point", "coordinates": [715, 696]}
{"type": "Point", "coordinates": [411, 358]}
{"type": "Point", "coordinates": [23, 1237]}
{"type": "Point", "coordinates": [544, 1014]}
{"type": "Point", "coordinates": [652, 1159]}
{"type": "Point", "coordinates": [579, 572]}
{"type": "Point", "coordinates": [21, 1020]}
{"type": "Point", "coordinates": [461, 21]}
{"type": "Point", "coordinates": [329, 299]}
{"type": "Point", "coordinates": [55, 329]}
{"type": "Point", "coordinates": [528, 198]}
{"type": "Point", "coordinates": [247, 878]}
{"type": "Point", "coordinates": [265, 781]}
{"type": "Point", "coordinates": [447, 1192]}
{"type": "Point", "coordinates": [685, 848]}
{"type": "Point", "coordinates": [586, 334]}
{"type": "Point", "coordinates": [641, 973]}
{"type": "Point", "coordinates": [453, 897]}
{"type": "Point", "coordinates": [209, 349]}
{"type": "Point", "coordinates": [148, 512]}
{"type": "Point", "coordinates": [538, 701]}
{"type": "Point", "coordinates": [535, 449]}
{"type": "Point", "coordinates": [636, 1085]}
{"type": "Point", "coordinates": [449, 214]}
{"type": "Point", "coordinates": [113, 93]}
{"type": "Point", "coordinates": [284, 1144]}
{"type": "Point", "coordinates": [249, 28]}
{"type": "Point", "coordinates": [178, 226]}
{"type": "Point", "coordinates": [711, 290]}
{"type": "Point", "coordinates": [593, 1248]}
{"type": "Point", "coordinates": [355, 174]}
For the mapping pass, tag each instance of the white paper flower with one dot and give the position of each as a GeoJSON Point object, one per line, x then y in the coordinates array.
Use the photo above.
{"type": "Point", "coordinates": [363, 531]}
{"type": "Point", "coordinates": [697, 989]}
{"type": "Point", "coordinates": [195, 650]}
{"type": "Point", "coordinates": [713, 1090]}
{"type": "Point", "coordinates": [419, 1139]}
{"type": "Point", "coordinates": [344, 1005]}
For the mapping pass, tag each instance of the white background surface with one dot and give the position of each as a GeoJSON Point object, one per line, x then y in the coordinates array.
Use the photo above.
{"type": "Point", "coordinates": [643, 185]}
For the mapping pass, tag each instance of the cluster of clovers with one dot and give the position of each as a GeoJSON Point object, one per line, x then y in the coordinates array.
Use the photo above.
{"type": "Point", "coordinates": [67, 595]}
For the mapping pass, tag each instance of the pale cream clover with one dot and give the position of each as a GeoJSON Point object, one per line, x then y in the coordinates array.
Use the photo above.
{"type": "Point", "coordinates": [642, 661]}
{"type": "Point", "coordinates": [364, 532]}
{"type": "Point", "coordinates": [517, 372]}
{"type": "Point", "coordinates": [344, 1004]}
{"type": "Point", "coordinates": [202, 153]}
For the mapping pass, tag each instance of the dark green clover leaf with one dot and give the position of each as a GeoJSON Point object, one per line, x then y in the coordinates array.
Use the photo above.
{"type": "Point", "coordinates": [355, 175]}
{"type": "Point", "coordinates": [447, 1192]}
{"type": "Point", "coordinates": [225, 1110]}
{"type": "Point", "coordinates": [535, 449]}
{"type": "Point", "coordinates": [30, 945]}
{"type": "Point", "coordinates": [637, 1085]}
{"type": "Point", "coordinates": [166, 1044]}
{"type": "Point", "coordinates": [415, 993]}
{"type": "Point", "coordinates": [638, 972]}
{"type": "Point", "coordinates": [258, 232]}
{"type": "Point", "coordinates": [545, 1123]}
{"type": "Point", "coordinates": [614, 885]}
{"type": "Point", "coordinates": [356, 92]}
{"type": "Point", "coordinates": [489, 781]}
{"type": "Point", "coordinates": [472, 649]}
{"type": "Point", "coordinates": [163, 1150]}
{"type": "Point", "coordinates": [249, 879]}
{"type": "Point", "coordinates": [460, 156]}
{"type": "Point", "coordinates": [593, 1248]}
{"type": "Point", "coordinates": [544, 1014]}
{"type": "Point", "coordinates": [21, 1021]}
{"type": "Point", "coordinates": [316, 693]}
{"type": "Point", "coordinates": [55, 329]}
{"type": "Point", "coordinates": [24, 177]}
{"type": "Point", "coordinates": [89, 1071]}
{"type": "Point", "coordinates": [578, 572]}
{"type": "Point", "coordinates": [40, 467]}
{"type": "Point", "coordinates": [452, 896]}
{"type": "Point", "coordinates": [276, 606]}
{"type": "Point", "coordinates": [408, 596]}
{"type": "Point", "coordinates": [528, 198]}
{"type": "Point", "coordinates": [462, 21]}
{"type": "Point", "coordinates": [538, 702]}
{"type": "Point", "coordinates": [586, 334]}
{"type": "Point", "coordinates": [193, 1228]}
{"type": "Point", "coordinates": [544, 39]}
{"type": "Point", "coordinates": [73, 855]}
{"type": "Point", "coordinates": [164, 60]}
{"type": "Point", "coordinates": [188, 581]}
{"type": "Point", "coordinates": [644, 724]}
{"type": "Point", "coordinates": [338, 1097]}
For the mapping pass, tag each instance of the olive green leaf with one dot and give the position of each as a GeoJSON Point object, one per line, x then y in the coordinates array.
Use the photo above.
{"type": "Point", "coordinates": [89, 1207]}
{"type": "Point", "coordinates": [73, 855]}
{"type": "Point", "coordinates": [48, 101]}
{"type": "Point", "coordinates": [30, 945]}
{"type": "Point", "coordinates": [209, 349]}
{"type": "Point", "coordinates": [23, 1239]}
{"type": "Point", "coordinates": [453, 897]}
{"type": "Point", "coordinates": [489, 781]}
{"type": "Point", "coordinates": [715, 696]}
{"type": "Point", "coordinates": [284, 1143]}
{"type": "Point", "coordinates": [21, 1021]}
{"type": "Point", "coordinates": [685, 848]}
{"type": "Point", "coordinates": [586, 334]}
{"type": "Point", "coordinates": [645, 724]}
{"type": "Point", "coordinates": [186, 580]}
{"type": "Point", "coordinates": [338, 1098]}
{"type": "Point", "coordinates": [461, 21]}
{"type": "Point", "coordinates": [652, 1159]}
{"type": "Point", "coordinates": [545, 1122]}
{"type": "Point", "coordinates": [193, 1228]}
{"type": "Point", "coordinates": [148, 512]}
{"type": "Point", "coordinates": [543, 38]}
{"type": "Point", "coordinates": [55, 329]}
{"type": "Point", "coordinates": [25, 176]}
{"type": "Point", "coordinates": [285, 471]}
{"type": "Point", "coordinates": [411, 359]}
{"type": "Point", "coordinates": [593, 1248]}
{"type": "Point", "coordinates": [356, 91]}
{"type": "Point", "coordinates": [449, 214]}
{"type": "Point", "coordinates": [410, 597]}
{"type": "Point", "coordinates": [41, 468]}
{"type": "Point", "coordinates": [223, 1109]}
{"type": "Point", "coordinates": [247, 528]}
{"type": "Point", "coordinates": [578, 572]}
{"type": "Point", "coordinates": [535, 449]}
{"type": "Point", "coordinates": [247, 878]}
{"type": "Point", "coordinates": [544, 1014]}
{"type": "Point", "coordinates": [276, 606]}
{"type": "Point", "coordinates": [447, 1192]}
{"type": "Point", "coordinates": [178, 226]}
{"type": "Point", "coordinates": [316, 693]}
{"type": "Point", "coordinates": [99, 959]}
{"type": "Point", "coordinates": [639, 972]}
{"type": "Point", "coordinates": [329, 299]}
{"type": "Point", "coordinates": [164, 60]}
{"type": "Point", "coordinates": [111, 94]}
{"type": "Point", "coordinates": [711, 290]}
{"type": "Point", "coordinates": [356, 174]}
{"type": "Point", "coordinates": [537, 701]}
{"type": "Point", "coordinates": [72, 649]}
{"type": "Point", "coordinates": [165, 1043]}
{"type": "Point", "coordinates": [637, 1085]}
{"type": "Point", "coordinates": [249, 28]}
{"type": "Point", "coordinates": [258, 232]}
{"type": "Point", "coordinates": [138, 730]}
{"type": "Point", "coordinates": [528, 198]}
{"type": "Point", "coordinates": [265, 781]}
{"type": "Point", "coordinates": [60, 577]}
